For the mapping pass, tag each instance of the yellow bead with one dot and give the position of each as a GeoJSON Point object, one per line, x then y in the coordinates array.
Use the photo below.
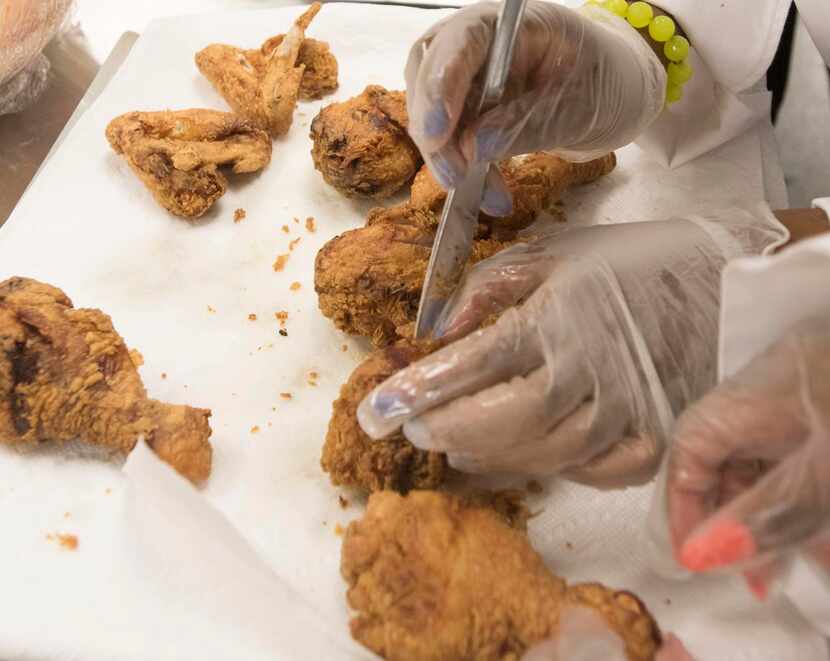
{"type": "Point", "coordinates": [639, 14]}
{"type": "Point", "coordinates": [619, 7]}
{"type": "Point", "coordinates": [673, 93]}
{"type": "Point", "coordinates": [679, 72]}
{"type": "Point", "coordinates": [661, 28]}
{"type": "Point", "coordinates": [676, 48]}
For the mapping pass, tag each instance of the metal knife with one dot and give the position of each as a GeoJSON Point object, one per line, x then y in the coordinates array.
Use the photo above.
{"type": "Point", "coordinates": [459, 218]}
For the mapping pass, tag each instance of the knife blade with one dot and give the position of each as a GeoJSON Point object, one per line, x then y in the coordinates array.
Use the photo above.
{"type": "Point", "coordinates": [453, 242]}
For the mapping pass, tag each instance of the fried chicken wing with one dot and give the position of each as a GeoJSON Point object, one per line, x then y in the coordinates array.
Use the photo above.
{"type": "Point", "coordinates": [536, 182]}
{"type": "Point", "coordinates": [369, 280]}
{"type": "Point", "coordinates": [433, 577]}
{"type": "Point", "coordinates": [65, 373]}
{"type": "Point", "coordinates": [263, 86]}
{"type": "Point", "coordinates": [353, 459]}
{"type": "Point", "coordinates": [319, 65]}
{"type": "Point", "coordinates": [177, 154]}
{"type": "Point", "coordinates": [361, 146]}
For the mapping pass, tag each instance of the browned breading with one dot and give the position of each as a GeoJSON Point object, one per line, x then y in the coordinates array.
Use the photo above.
{"type": "Point", "coordinates": [536, 182]}
{"type": "Point", "coordinates": [369, 280]}
{"type": "Point", "coordinates": [361, 146]}
{"type": "Point", "coordinates": [435, 577]}
{"type": "Point", "coordinates": [264, 87]}
{"type": "Point", "coordinates": [353, 459]}
{"type": "Point", "coordinates": [319, 65]}
{"type": "Point", "coordinates": [66, 374]}
{"type": "Point", "coordinates": [177, 154]}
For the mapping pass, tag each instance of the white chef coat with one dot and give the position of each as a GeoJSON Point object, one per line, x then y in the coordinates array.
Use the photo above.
{"type": "Point", "coordinates": [734, 42]}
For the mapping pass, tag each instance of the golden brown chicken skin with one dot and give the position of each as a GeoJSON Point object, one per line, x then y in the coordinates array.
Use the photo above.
{"type": "Point", "coordinates": [435, 578]}
{"type": "Point", "coordinates": [361, 146]}
{"type": "Point", "coordinates": [177, 154]}
{"type": "Point", "coordinates": [353, 459]}
{"type": "Point", "coordinates": [536, 182]}
{"type": "Point", "coordinates": [369, 280]}
{"type": "Point", "coordinates": [263, 86]}
{"type": "Point", "coordinates": [66, 374]}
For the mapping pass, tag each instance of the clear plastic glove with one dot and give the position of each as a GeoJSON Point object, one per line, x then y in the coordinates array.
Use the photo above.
{"type": "Point", "coordinates": [581, 82]}
{"type": "Point", "coordinates": [748, 479]}
{"type": "Point", "coordinates": [26, 26]}
{"type": "Point", "coordinates": [617, 333]}
{"type": "Point", "coordinates": [584, 636]}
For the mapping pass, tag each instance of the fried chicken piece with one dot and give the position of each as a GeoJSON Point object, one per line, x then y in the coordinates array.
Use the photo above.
{"type": "Point", "coordinates": [66, 374]}
{"type": "Point", "coordinates": [435, 578]}
{"type": "Point", "coordinates": [353, 459]}
{"type": "Point", "coordinates": [177, 154]}
{"type": "Point", "coordinates": [369, 280]}
{"type": "Point", "coordinates": [536, 182]}
{"type": "Point", "coordinates": [361, 146]}
{"type": "Point", "coordinates": [264, 90]}
{"type": "Point", "coordinates": [318, 62]}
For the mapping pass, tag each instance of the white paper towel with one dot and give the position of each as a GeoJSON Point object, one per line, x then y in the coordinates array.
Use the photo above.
{"type": "Point", "coordinates": [89, 226]}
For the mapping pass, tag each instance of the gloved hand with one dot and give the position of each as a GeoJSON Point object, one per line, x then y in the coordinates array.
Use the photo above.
{"type": "Point", "coordinates": [584, 636]}
{"type": "Point", "coordinates": [581, 82]}
{"type": "Point", "coordinates": [617, 332]}
{"type": "Point", "coordinates": [775, 413]}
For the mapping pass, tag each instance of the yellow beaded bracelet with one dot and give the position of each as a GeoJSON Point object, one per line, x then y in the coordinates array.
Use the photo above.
{"type": "Point", "coordinates": [662, 30]}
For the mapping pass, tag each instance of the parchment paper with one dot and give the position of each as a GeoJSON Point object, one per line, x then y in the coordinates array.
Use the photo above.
{"type": "Point", "coordinates": [182, 294]}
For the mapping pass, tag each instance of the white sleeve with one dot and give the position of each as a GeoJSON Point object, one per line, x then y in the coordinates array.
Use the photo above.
{"type": "Point", "coordinates": [762, 298]}
{"type": "Point", "coordinates": [733, 43]}
{"type": "Point", "coordinates": [816, 17]}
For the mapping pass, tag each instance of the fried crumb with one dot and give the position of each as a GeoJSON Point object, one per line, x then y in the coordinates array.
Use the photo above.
{"type": "Point", "coordinates": [343, 502]}
{"type": "Point", "coordinates": [310, 224]}
{"type": "Point", "coordinates": [211, 308]}
{"type": "Point", "coordinates": [569, 546]}
{"type": "Point", "coordinates": [286, 395]}
{"type": "Point", "coordinates": [280, 262]}
{"type": "Point", "coordinates": [252, 317]}
{"type": "Point", "coordinates": [293, 244]}
{"type": "Point", "coordinates": [286, 229]}
{"type": "Point", "coordinates": [282, 317]}
{"type": "Point", "coordinates": [338, 530]}
{"type": "Point", "coordinates": [239, 215]}
{"type": "Point", "coordinates": [312, 378]}
{"type": "Point", "coordinates": [164, 375]}
{"type": "Point", "coordinates": [534, 487]}
{"type": "Point", "coordinates": [67, 515]}
{"type": "Point", "coordinates": [136, 357]}
{"type": "Point", "coordinates": [65, 541]}
{"type": "Point", "coordinates": [283, 332]}
{"type": "Point", "coordinates": [296, 220]}
{"type": "Point", "coordinates": [294, 285]}
{"type": "Point", "coordinates": [255, 429]}
{"type": "Point", "coordinates": [344, 348]}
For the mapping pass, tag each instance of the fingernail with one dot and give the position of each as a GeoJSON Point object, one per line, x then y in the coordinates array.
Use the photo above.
{"type": "Point", "coordinates": [757, 585]}
{"type": "Point", "coordinates": [490, 144]}
{"type": "Point", "coordinates": [436, 122]}
{"type": "Point", "coordinates": [376, 415]}
{"type": "Point", "coordinates": [418, 434]}
{"type": "Point", "coordinates": [724, 543]}
{"type": "Point", "coordinates": [496, 203]}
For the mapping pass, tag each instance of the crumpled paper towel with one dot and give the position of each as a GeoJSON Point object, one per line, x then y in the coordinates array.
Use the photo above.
{"type": "Point", "coordinates": [151, 576]}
